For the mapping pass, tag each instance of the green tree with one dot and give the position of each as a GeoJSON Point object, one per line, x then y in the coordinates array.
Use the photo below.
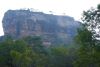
{"type": "Point", "coordinates": [88, 55]}
{"type": "Point", "coordinates": [91, 20]}
{"type": "Point", "coordinates": [58, 57]}
{"type": "Point", "coordinates": [5, 48]}
{"type": "Point", "coordinates": [86, 52]}
{"type": "Point", "coordinates": [15, 53]}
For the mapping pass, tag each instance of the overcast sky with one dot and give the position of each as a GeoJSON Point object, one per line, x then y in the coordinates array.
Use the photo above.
{"type": "Point", "coordinates": [72, 8]}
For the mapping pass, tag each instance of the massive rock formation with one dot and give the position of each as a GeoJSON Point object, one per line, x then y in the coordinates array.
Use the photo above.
{"type": "Point", "coordinates": [53, 29]}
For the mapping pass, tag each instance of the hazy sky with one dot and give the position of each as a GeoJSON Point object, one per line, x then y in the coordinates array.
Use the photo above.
{"type": "Point", "coordinates": [72, 8]}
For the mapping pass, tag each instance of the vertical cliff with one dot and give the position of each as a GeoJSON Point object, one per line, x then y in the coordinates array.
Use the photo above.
{"type": "Point", "coordinates": [52, 28]}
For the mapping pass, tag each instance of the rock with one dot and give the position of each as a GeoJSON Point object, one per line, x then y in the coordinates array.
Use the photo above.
{"type": "Point", "coordinates": [55, 29]}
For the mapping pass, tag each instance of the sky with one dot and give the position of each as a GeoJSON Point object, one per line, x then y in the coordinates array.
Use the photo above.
{"type": "Point", "coordinates": [73, 8]}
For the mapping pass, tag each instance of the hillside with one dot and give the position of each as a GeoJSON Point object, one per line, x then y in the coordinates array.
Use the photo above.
{"type": "Point", "coordinates": [53, 29]}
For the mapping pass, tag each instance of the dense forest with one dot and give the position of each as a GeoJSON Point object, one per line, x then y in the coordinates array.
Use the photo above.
{"type": "Point", "coordinates": [30, 52]}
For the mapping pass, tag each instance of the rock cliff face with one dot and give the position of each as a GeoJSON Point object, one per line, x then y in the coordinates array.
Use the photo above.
{"type": "Point", "coordinates": [53, 29]}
